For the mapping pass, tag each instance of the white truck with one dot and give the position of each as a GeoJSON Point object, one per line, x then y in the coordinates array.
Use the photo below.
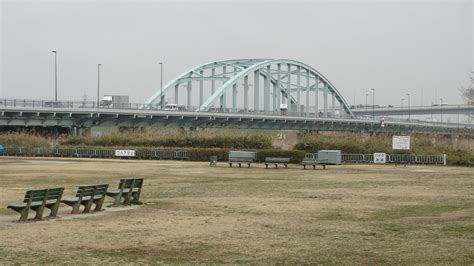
{"type": "Point", "coordinates": [115, 101]}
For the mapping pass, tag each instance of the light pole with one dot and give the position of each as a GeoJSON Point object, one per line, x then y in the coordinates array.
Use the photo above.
{"type": "Point", "coordinates": [55, 76]}
{"type": "Point", "coordinates": [408, 99]}
{"type": "Point", "coordinates": [98, 85]}
{"type": "Point", "coordinates": [402, 107]}
{"type": "Point", "coordinates": [161, 84]}
{"type": "Point", "coordinates": [373, 102]}
{"type": "Point", "coordinates": [441, 107]}
{"type": "Point", "coordinates": [366, 97]}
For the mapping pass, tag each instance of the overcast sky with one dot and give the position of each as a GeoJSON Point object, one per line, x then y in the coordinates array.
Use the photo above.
{"type": "Point", "coordinates": [397, 47]}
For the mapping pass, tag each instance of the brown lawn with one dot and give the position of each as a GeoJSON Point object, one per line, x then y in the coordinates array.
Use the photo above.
{"type": "Point", "coordinates": [350, 214]}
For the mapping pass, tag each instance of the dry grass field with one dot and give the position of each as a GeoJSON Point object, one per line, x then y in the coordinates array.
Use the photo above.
{"type": "Point", "coordinates": [350, 214]}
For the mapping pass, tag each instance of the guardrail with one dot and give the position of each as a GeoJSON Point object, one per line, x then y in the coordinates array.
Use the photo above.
{"type": "Point", "coordinates": [93, 153]}
{"type": "Point", "coordinates": [45, 104]}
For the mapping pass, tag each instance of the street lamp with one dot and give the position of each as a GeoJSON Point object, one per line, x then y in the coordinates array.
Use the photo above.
{"type": "Point", "coordinates": [441, 108]}
{"type": "Point", "coordinates": [402, 107]}
{"type": "Point", "coordinates": [55, 76]}
{"type": "Point", "coordinates": [161, 84]}
{"type": "Point", "coordinates": [98, 85]}
{"type": "Point", "coordinates": [366, 97]}
{"type": "Point", "coordinates": [408, 99]}
{"type": "Point", "coordinates": [373, 102]}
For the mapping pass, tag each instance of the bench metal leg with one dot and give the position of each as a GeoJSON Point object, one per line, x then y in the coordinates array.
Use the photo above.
{"type": "Point", "coordinates": [324, 167]}
{"type": "Point", "coordinates": [266, 166]}
{"type": "Point", "coordinates": [240, 165]}
{"type": "Point", "coordinates": [248, 165]}
{"type": "Point", "coordinates": [314, 167]}
{"type": "Point", "coordinates": [230, 164]}
{"type": "Point", "coordinates": [286, 166]}
{"type": "Point", "coordinates": [304, 167]}
{"type": "Point", "coordinates": [276, 165]}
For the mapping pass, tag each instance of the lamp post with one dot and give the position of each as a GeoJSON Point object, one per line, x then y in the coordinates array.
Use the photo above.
{"type": "Point", "coordinates": [366, 97]}
{"type": "Point", "coordinates": [98, 85]}
{"type": "Point", "coordinates": [402, 107]}
{"type": "Point", "coordinates": [441, 107]}
{"type": "Point", "coordinates": [373, 102]}
{"type": "Point", "coordinates": [161, 84]}
{"type": "Point", "coordinates": [408, 99]}
{"type": "Point", "coordinates": [55, 76]}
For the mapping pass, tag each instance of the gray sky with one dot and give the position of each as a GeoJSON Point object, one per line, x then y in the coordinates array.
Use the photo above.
{"type": "Point", "coordinates": [396, 47]}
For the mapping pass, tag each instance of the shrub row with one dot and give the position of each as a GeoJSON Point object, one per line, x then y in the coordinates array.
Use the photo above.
{"type": "Point", "coordinates": [179, 141]}
{"type": "Point", "coordinates": [23, 140]}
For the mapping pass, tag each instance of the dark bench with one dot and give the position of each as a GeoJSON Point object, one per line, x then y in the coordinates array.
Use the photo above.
{"type": "Point", "coordinates": [37, 200]}
{"type": "Point", "coordinates": [313, 162]}
{"type": "Point", "coordinates": [276, 161]}
{"type": "Point", "coordinates": [129, 189]}
{"type": "Point", "coordinates": [88, 195]}
{"type": "Point", "coordinates": [241, 157]}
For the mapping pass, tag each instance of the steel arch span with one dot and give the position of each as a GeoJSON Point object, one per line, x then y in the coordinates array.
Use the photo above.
{"type": "Point", "coordinates": [267, 86]}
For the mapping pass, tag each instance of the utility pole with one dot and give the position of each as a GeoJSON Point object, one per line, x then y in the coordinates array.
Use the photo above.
{"type": "Point", "coordinates": [408, 99]}
{"type": "Point", "coordinates": [366, 97]}
{"type": "Point", "coordinates": [98, 85]}
{"type": "Point", "coordinates": [161, 85]}
{"type": "Point", "coordinates": [402, 107]}
{"type": "Point", "coordinates": [441, 106]}
{"type": "Point", "coordinates": [373, 102]}
{"type": "Point", "coordinates": [55, 76]}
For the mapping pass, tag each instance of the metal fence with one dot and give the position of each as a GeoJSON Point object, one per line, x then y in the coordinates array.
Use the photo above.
{"type": "Point", "coordinates": [396, 158]}
{"type": "Point", "coordinates": [183, 155]}
{"type": "Point", "coordinates": [93, 153]}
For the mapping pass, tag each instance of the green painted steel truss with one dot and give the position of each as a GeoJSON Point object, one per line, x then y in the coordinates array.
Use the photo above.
{"type": "Point", "coordinates": [260, 86]}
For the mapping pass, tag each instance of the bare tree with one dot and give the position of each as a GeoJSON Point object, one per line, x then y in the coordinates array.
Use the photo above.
{"type": "Point", "coordinates": [467, 93]}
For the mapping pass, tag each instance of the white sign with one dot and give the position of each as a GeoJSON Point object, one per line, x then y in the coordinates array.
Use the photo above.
{"type": "Point", "coordinates": [401, 142]}
{"type": "Point", "coordinates": [128, 153]}
{"type": "Point", "coordinates": [379, 157]}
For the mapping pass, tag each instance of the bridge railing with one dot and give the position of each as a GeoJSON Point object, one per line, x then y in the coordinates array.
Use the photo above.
{"type": "Point", "coordinates": [330, 113]}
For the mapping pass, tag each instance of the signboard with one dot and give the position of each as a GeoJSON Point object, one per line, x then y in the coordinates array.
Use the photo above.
{"type": "Point", "coordinates": [127, 153]}
{"type": "Point", "coordinates": [401, 142]}
{"type": "Point", "coordinates": [379, 157]}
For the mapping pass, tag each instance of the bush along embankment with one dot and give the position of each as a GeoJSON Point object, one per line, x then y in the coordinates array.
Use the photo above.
{"type": "Point", "coordinates": [24, 140]}
{"type": "Point", "coordinates": [364, 144]}
{"type": "Point", "coordinates": [176, 141]}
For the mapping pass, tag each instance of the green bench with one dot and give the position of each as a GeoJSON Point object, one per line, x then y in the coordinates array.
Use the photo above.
{"type": "Point", "coordinates": [88, 195]}
{"type": "Point", "coordinates": [129, 189]}
{"type": "Point", "coordinates": [37, 200]}
{"type": "Point", "coordinates": [277, 160]}
{"type": "Point", "coordinates": [313, 162]}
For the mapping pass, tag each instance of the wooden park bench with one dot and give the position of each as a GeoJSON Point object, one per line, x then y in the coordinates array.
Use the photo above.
{"type": "Point", "coordinates": [88, 195]}
{"type": "Point", "coordinates": [37, 200]}
{"type": "Point", "coordinates": [241, 157]}
{"type": "Point", "coordinates": [312, 159]}
{"type": "Point", "coordinates": [276, 161]}
{"type": "Point", "coordinates": [129, 189]}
